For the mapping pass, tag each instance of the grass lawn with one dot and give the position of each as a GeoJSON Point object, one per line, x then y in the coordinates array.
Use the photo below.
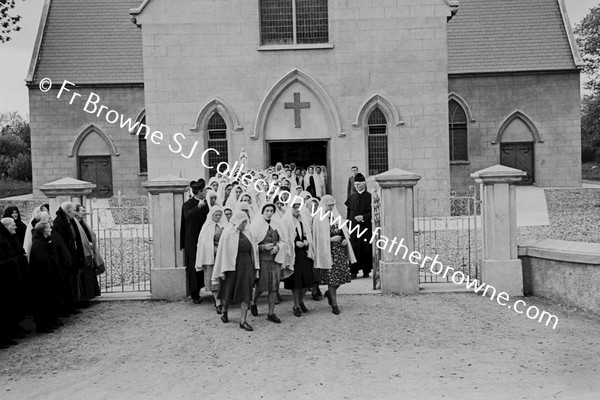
{"type": "Point", "coordinates": [9, 188]}
{"type": "Point", "coordinates": [591, 174]}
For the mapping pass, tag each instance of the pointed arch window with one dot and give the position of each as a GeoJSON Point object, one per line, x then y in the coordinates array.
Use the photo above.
{"type": "Point", "coordinates": [457, 119]}
{"type": "Point", "coordinates": [143, 149]}
{"type": "Point", "coordinates": [217, 139]}
{"type": "Point", "coordinates": [377, 142]}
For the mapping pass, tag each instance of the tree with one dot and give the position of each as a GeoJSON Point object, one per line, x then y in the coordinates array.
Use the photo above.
{"type": "Point", "coordinates": [8, 21]}
{"type": "Point", "coordinates": [15, 146]}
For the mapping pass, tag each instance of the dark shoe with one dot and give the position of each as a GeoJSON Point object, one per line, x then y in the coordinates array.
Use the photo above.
{"type": "Point", "coordinates": [354, 276]}
{"type": "Point", "coordinates": [224, 317]}
{"type": "Point", "coordinates": [246, 326]}
{"type": "Point", "coordinates": [254, 310]}
{"type": "Point", "coordinates": [317, 297]}
{"type": "Point", "coordinates": [6, 342]}
{"type": "Point", "coordinates": [219, 309]}
{"type": "Point", "coordinates": [335, 310]}
{"type": "Point", "coordinates": [303, 308]}
{"type": "Point", "coordinates": [74, 311]}
{"type": "Point", "coordinates": [22, 330]}
{"type": "Point", "coordinates": [273, 318]}
{"type": "Point", "coordinates": [328, 295]}
{"type": "Point", "coordinates": [297, 312]}
{"type": "Point", "coordinates": [196, 301]}
{"type": "Point", "coordinates": [365, 274]}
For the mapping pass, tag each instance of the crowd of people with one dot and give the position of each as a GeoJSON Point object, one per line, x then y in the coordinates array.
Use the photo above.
{"type": "Point", "coordinates": [239, 242]}
{"type": "Point", "coordinates": [48, 269]}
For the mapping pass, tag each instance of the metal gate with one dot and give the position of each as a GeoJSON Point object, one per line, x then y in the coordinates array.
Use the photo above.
{"type": "Point", "coordinates": [376, 220]}
{"type": "Point", "coordinates": [124, 237]}
{"type": "Point", "coordinates": [454, 236]}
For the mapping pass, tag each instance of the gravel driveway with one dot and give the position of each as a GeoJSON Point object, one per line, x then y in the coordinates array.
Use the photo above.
{"type": "Point", "coordinates": [457, 346]}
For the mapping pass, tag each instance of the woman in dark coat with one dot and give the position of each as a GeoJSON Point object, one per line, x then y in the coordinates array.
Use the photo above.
{"type": "Point", "coordinates": [14, 213]}
{"type": "Point", "coordinates": [45, 273]}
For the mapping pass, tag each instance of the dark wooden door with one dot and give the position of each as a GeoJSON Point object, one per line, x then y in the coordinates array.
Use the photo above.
{"type": "Point", "coordinates": [519, 156]}
{"type": "Point", "coordinates": [97, 170]}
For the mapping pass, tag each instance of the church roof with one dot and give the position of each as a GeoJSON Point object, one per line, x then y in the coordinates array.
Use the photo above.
{"type": "Point", "coordinates": [88, 41]}
{"type": "Point", "coordinates": [510, 36]}
{"type": "Point", "coordinates": [92, 41]}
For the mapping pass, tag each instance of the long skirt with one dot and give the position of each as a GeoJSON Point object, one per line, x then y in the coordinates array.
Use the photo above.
{"type": "Point", "coordinates": [303, 277]}
{"type": "Point", "coordinates": [270, 275]}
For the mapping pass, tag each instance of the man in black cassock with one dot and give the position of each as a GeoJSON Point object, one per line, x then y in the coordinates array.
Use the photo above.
{"type": "Point", "coordinates": [359, 213]}
{"type": "Point", "coordinates": [193, 216]}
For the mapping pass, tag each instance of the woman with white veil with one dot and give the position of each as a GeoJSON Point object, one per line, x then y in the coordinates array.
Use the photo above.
{"type": "Point", "coordinates": [208, 241]}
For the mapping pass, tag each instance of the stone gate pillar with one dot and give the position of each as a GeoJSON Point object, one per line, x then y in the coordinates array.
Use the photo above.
{"type": "Point", "coordinates": [67, 189]}
{"type": "Point", "coordinates": [398, 275]}
{"type": "Point", "coordinates": [168, 272]}
{"type": "Point", "coordinates": [501, 266]}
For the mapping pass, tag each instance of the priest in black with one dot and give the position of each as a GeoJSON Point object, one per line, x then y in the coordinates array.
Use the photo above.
{"type": "Point", "coordinates": [359, 213]}
{"type": "Point", "coordinates": [193, 216]}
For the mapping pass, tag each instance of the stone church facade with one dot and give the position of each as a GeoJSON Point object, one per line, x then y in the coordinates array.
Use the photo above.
{"type": "Point", "coordinates": [431, 86]}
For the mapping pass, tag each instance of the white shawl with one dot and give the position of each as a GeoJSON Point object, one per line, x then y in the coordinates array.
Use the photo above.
{"type": "Point", "coordinates": [205, 255]}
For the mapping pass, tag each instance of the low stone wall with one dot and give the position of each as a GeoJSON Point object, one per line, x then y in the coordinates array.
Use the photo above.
{"type": "Point", "coordinates": [565, 271]}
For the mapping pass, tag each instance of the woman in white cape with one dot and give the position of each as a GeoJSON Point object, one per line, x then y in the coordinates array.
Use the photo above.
{"type": "Point", "coordinates": [333, 251]}
{"type": "Point", "coordinates": [208, 242]}
{"type": "Point", "coordinates": [236, 267]}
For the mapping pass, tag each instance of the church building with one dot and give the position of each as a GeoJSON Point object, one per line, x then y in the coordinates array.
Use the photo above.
{"type": "Point", "coordinates": [441, 88]}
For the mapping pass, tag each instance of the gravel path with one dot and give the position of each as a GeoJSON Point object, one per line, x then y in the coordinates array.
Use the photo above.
{"type": "Point", "coordinates": [457, 346]}
{"type": "Point", "coordinates": [574, 215]}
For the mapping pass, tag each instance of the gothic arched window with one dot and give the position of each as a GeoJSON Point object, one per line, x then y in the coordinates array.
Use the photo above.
{"type": "Point", "coordinates": [217, 139]}
{"type": "Point", "coordinates": [377, 143]}
{"type": "Point", "coordinates": [457, 119]}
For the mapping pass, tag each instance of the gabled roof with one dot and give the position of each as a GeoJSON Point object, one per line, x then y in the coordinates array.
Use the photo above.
{"type": "Point", "coordinates": [510, 36]}
{"type": "Point", "coordinates": [88, 41]}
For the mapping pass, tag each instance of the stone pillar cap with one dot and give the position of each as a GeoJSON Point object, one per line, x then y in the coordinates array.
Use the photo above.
{"type": "Point", "coordinates": [397, 178]}
{"type": "Point", "coordinates": [166, 184]}
{"type": "Point", "coordinates": [498, 174]}
{"type": "Point", "coordinates": [67, 186]}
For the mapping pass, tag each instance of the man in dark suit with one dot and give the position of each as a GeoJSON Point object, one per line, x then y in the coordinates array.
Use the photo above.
{"type": "Point", "coordinates": [359, 212]}
{"type": "Point", "coordinates": [351, 188]}
{"type": "Point", "coordinates": [193, 216]}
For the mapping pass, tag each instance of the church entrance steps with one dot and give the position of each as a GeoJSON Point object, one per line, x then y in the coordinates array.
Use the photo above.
{"type": "Point", "coordinates": [124, 296]}
{"type": "Point", "coordinates": [427, 288]}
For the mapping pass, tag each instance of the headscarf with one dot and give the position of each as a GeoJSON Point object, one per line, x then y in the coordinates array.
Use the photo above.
{"type": "Point", "coordinates": [21, 227]}
{"type": "Point", "coordinates": [307, 177]}
{"type": "Point", "coordinates": [233, 199]}
{"type": "Point", "coordinates": [319, 183]}
{"type": "Point", "coordinates": [243, 206]}
{"type": "Point", "coordinates": [321, 238]}
{"type": "Point", "coordinates": [221, 192]}
{"type": "Point", "coordinates": [212, 194]}
{"type": "Point", "coordinates": [259, 229]}
{"type": "Point", "coordinates": [288, 221]}
{"type": "Point", "coordinates": [28, 240]}
{"type": "Point", "coordinates": [205, 255]}
{"type": "Point", "coordinates": [228, 247]}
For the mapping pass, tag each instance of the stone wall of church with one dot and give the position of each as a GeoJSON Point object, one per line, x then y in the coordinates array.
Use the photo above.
{"type": "Point", "coordinates": [196, 51]}
{"type": "Point", "coordinates": [550, 100]}
{"type": "Point", "coordinates": [56, 124]}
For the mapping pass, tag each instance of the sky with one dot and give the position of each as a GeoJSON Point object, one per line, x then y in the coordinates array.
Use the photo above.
{"type": "Point", "coordinates": [15, 55]}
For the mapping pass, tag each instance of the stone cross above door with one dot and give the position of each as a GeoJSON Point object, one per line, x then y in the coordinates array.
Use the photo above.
{"type": "Point", "coordinates": [297, 105]}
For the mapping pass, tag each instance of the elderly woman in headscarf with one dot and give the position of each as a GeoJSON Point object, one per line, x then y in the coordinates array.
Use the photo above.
{"type": "Point", "coordinates": [44, 265]}
{"type": "Point", "coordinates": [302, 256]}
{"type": "Point", "coordinates": [13, 212]}
{"type": "Point", "coordinates": [208, 241]}
{"type": "Point", "coordinates": [332, 251]}
{"type": "Point", "coordinates": [236, 267]}
{"type": "Point", "coordinates": [272, 255]}
{"type": "Point", "coordinates": [87, 278]}
{"type": "Point", "coordinates": [211, 199]}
